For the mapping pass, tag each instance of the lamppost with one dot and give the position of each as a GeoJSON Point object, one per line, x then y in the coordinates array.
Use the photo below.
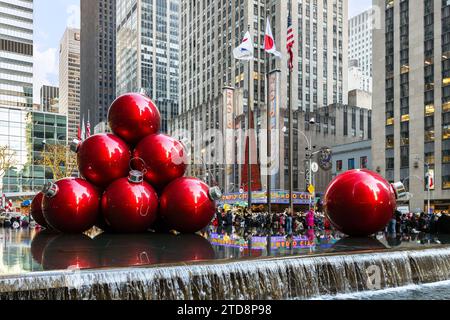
{"type": "Point", "coordinates": [310, 152]}
{"type": "Point", "coordinates": [428, 176]}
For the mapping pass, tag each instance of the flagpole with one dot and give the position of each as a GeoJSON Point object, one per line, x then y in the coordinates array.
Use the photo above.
{"type": "Point", "coordinates": [269, 134]}
{"type": "Point", "coordinates": [249, 113]}
{"type": "Point", "coordinates": [291, 140]}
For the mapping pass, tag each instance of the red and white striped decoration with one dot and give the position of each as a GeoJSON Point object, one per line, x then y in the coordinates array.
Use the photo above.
{"type": "Point", "coordinates": [290, 42]}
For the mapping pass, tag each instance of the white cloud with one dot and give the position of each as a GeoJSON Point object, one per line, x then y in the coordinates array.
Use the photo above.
{"type": "Point", "coordinates": [73, 21]}
{"type": "Point", "coordinates": [45, 69]}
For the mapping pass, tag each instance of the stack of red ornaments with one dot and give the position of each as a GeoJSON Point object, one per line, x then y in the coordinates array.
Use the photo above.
{"type": "Point", "coordinates": [132, 180]}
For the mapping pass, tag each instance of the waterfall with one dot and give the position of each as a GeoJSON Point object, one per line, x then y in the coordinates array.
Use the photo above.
{"type": "Point", "coordinates": [271, 278]}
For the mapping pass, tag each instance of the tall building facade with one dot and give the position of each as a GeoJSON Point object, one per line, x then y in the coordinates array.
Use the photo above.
{"type": "Point", "coordinates": [49, 97]}
{"type": "Point", "coordinates": [148, 53]}
{"type": "Point", "coordinates": [25, 131]}
{"type": "Point", "coordinates": [98, 59]}
{"type": "Point", "coordinates": [69, 79]}
{"type": "Point", "coordinates": [360, 42]}
{"type": "Point", "coordinates": [215, 87]}
{"type": "Point", "coordinates": [412, 100]}
{"type": "Point", "coordinates": [16, 54]}
{"type": "Point", "coordinates": [16, 85]}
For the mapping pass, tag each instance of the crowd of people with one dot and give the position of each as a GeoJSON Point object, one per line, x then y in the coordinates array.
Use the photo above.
{"type": "Point", "coordinates": [282, 223]}
{"type": "Point", "coordinates": [412, 223]}
{"type": "Point", "coordinates": [287, 223]}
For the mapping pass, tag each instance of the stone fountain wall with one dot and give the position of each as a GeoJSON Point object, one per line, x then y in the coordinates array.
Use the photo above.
{"type": "Point", "coordinates": [284, 278]}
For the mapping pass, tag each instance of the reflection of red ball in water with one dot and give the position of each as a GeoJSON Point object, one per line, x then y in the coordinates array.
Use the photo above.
{"type": "Point", "coordinates": [36, 210]}
{"type": "Point", "coordinates": [360, 202]}
{"type": "Point", "coordinates": [119, 250]}
{"type": "Point", "coordinates": [134, 116]}
{"type": "Point", "coordinates": [71, 205]}
{"type": "Point", "coordinates": [186, 206]}
{"type": "Point", "coordinates": [71, 252]}
{"type": "Point", "coordinates": [184, 248]}
{"type": "Point", "coordinates": [164, 159]}
{"type": "Point", "coordinates": [39, 242]}
{"type": "Point", "coordinates": [103, 158]}
{"type": "Point", "coordinates": [129, 206]}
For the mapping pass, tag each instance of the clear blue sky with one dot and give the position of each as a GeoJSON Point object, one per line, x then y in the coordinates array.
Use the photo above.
{"type": "Point", "coordinates": [51, 19]}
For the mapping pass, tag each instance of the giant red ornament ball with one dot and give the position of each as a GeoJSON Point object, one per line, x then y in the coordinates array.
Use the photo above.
{"type": "Point", "coordinates": [162, 158]}
{"type": "Point", "coordinates": [130, 204]}
{"type": "Point", "coordinates": [187, 205]}
{"type": "Point", "coordinates": [71, 205]}
{"type": "Point", "coordinates": [36, 210]}
{"type": "Point", "coordinates": [360, 203]}
{"type": "Point", "coordinates": [134, 116]}
{"type": "Point", "coordinates": [103, 158]}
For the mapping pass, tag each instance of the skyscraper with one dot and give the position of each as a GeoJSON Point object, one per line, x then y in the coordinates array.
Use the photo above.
{"type": "Point", "coordinates": [360, 47]}
{"type": "Point", "coordinates": [212, 82]}
{"type": "Point", "coordinates": [16, 86]}
{"type": "Point", "coordinates": [98, 56]}
{"type": "Point", "coordinates": [16, 54]}
{"type": "Point", "coordinates": [49, 97]}
{"type": "Point", "coordinates": [412, 98]}
{"type": "Point", "coordinates": [69, 80]}
{"type": "Point", "coordinates": [147, 53]}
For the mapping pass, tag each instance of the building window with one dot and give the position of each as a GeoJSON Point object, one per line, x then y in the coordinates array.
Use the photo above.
{"type": "Point", "coordinates": [363, 163]}
{"type": "Point", "coordinates": [351, 164]}
{"type": "Point", "coordinates": [339, 165]}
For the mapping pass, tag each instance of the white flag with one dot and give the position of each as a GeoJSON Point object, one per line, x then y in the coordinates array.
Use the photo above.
{"type": "Point", "coordinates": [269, 42]}
{"type": "Point", "coordinates": [245, 50]}
{"type": "Point", "coordinates": [83, 131]}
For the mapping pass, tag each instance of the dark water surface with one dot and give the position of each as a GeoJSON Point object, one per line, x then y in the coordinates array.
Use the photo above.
{"type": "Point", "coordinates": [28, 250]}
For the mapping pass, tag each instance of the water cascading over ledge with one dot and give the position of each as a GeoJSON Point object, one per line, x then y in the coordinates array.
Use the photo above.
{"type": "Point", "coordinates": [284, 278]}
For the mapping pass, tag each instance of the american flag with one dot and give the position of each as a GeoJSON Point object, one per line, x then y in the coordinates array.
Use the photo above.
{"type": "Point", "coordinates": [88, 130]}
{"type": "Point", "coordinates": [290, 42]}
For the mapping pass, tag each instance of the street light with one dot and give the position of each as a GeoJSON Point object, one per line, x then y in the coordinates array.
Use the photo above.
{"type": "Point", "coordinates": [310, 148]}
{"type": "Point", "coordinates": [428, 175]}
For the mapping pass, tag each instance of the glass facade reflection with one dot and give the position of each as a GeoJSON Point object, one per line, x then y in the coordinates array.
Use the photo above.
{"type": "Point", "coordinates": [25, 132]}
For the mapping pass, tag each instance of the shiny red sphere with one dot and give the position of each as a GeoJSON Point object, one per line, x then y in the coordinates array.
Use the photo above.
{"type": "Point", "coordinates": [103, 158]}
{"type": "Point", "coordinates": [185, 205]}
{"type": "Point", "coordinates": [129, 207]}
{"type": "Point", "coordinates": [162, 158]}
{"type": "Point", "coordinates": [36, 210]}
{"type": "Point", "coordinates": [74, 208]}
{"type": "Point", "coordinates": [134, 116]}
{"type": "Point", "coordinates": [360, 203]}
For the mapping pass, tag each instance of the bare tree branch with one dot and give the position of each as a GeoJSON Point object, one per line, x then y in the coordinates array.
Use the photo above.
{"type": "Point", "coordinates": [7, 159]}
{"type": "Point", "coordinates": [60, 159]}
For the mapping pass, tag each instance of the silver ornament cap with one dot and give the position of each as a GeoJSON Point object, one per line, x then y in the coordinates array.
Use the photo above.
{"type": "Point", "coordinates": [400, 190]}
{"type": "Point", "coordinates": [50, 189]}
{"type": "Point", "coordinates": [136, 176]}
{"type": "Point", "coordinates": [75, 145]}
{"type": "Point", "coordinates": [215, 193]}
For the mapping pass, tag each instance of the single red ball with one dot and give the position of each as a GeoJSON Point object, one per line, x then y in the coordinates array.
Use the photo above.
{"type": "Point", "coordinates": [36, 210]}
{"type": "Point", "coordinates": [186, 206]}
{"type": "Point", "coordinates": [103, 158]}
{"type": "Point", "coordinates": [130, 207]}
{"type": "Point", "coordinates": [134, 116]}
{"type": "Point", "coordinates": [360, 203]}
{"type": "Point", "coordinates": [162, 158]}
{"type": "Point", "coordinates": [71, 205]}
{"type": "Point", "coordinates": [73, 251]}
